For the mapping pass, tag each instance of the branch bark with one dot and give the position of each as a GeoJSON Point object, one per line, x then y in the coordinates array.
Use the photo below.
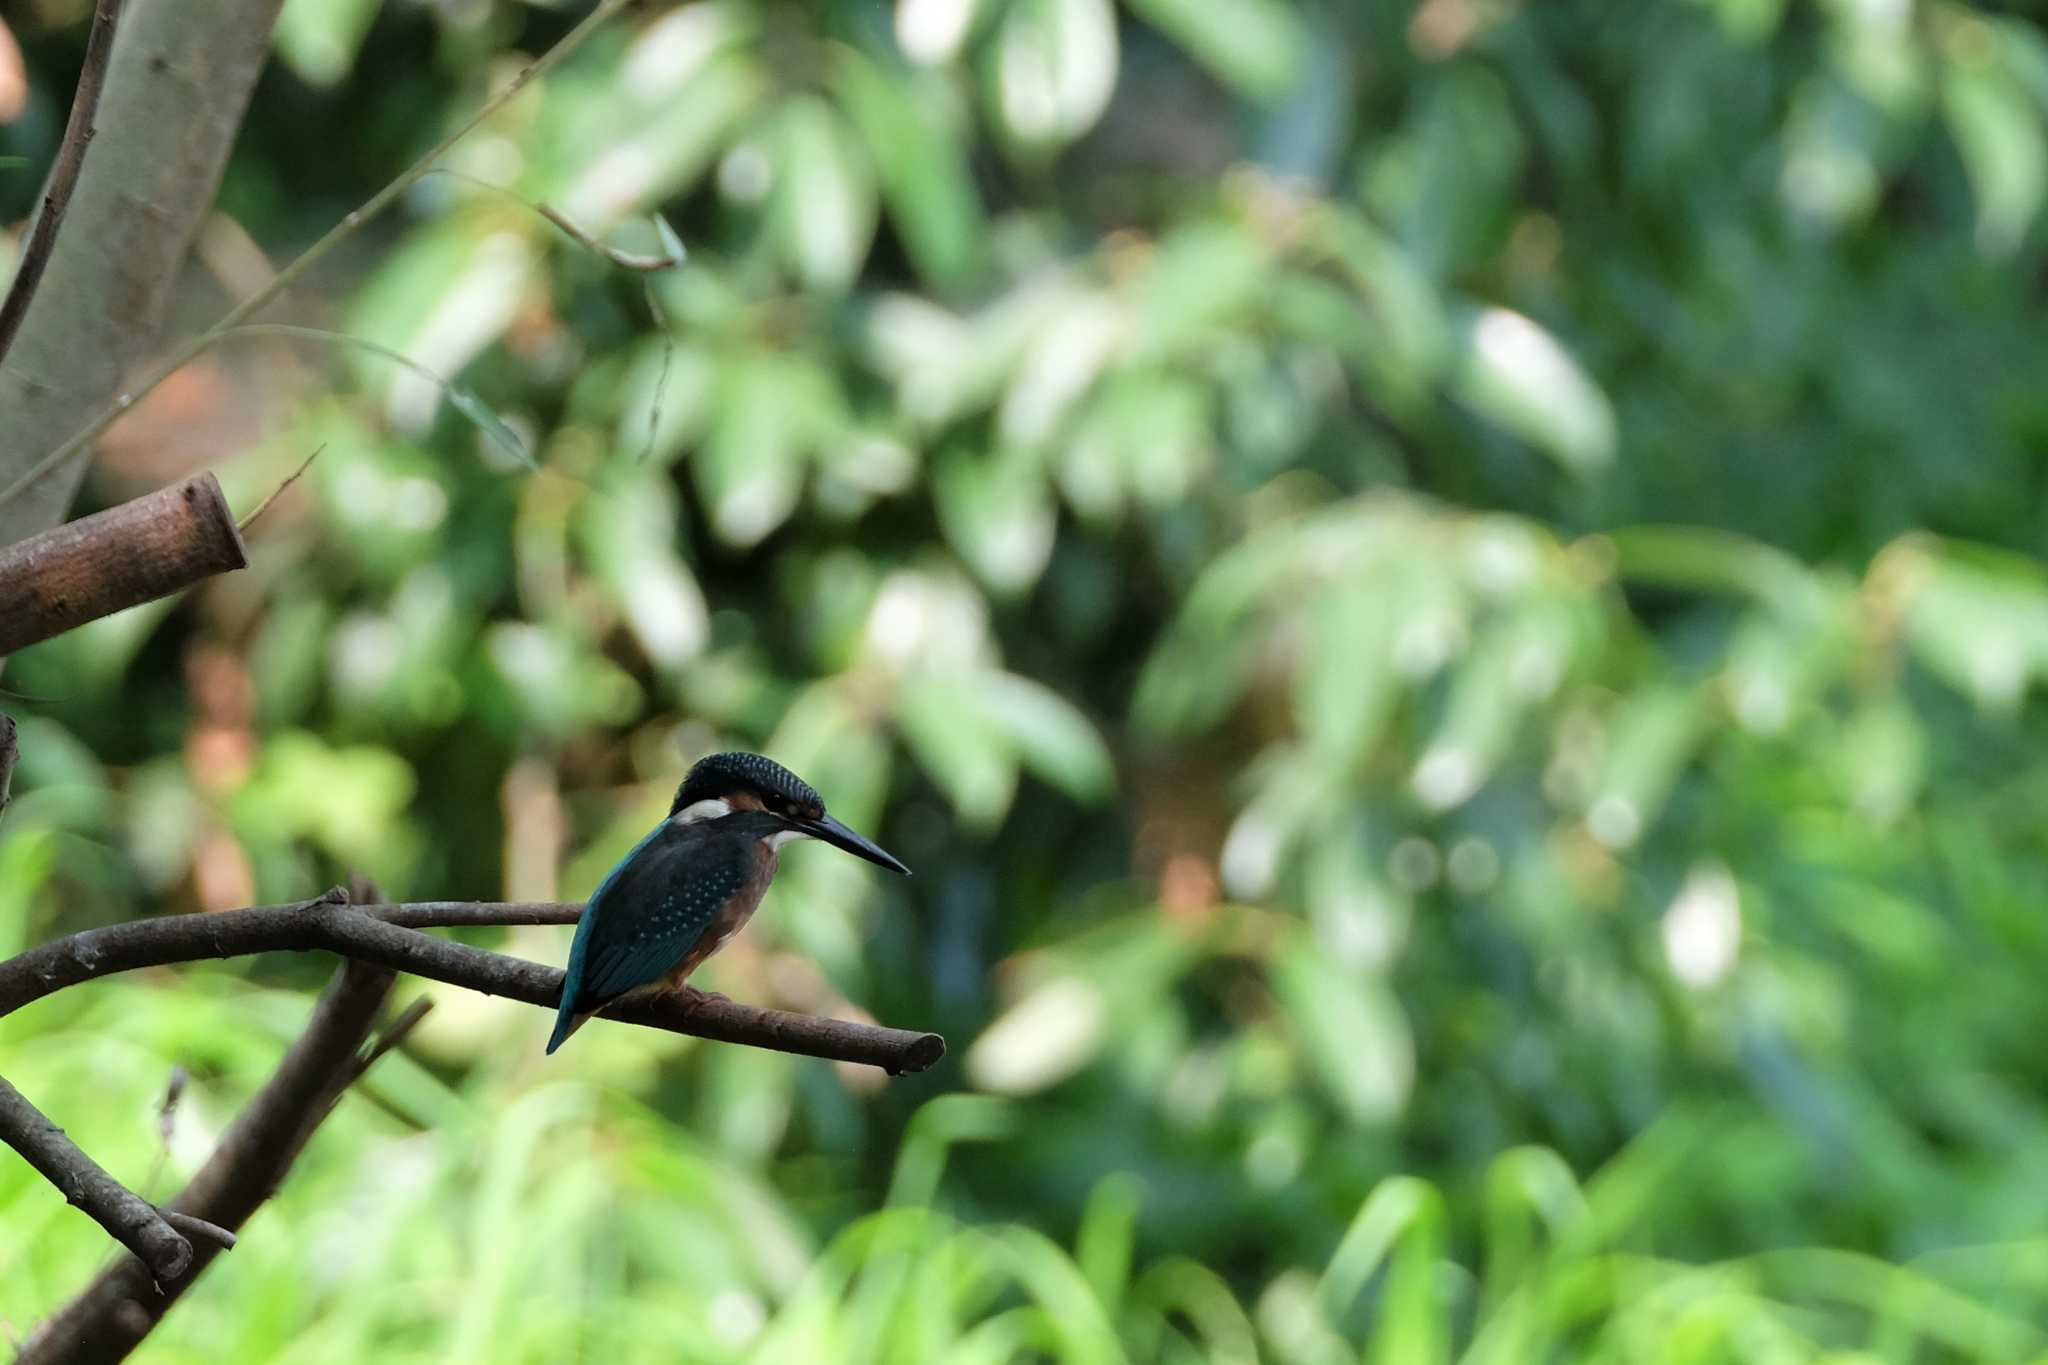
{"type": "Point", "coordinates": [388, 935]}
{"type": "Point", "coordinates": [147, 548]}
{"type": "Point", "coordinates": [131, 1219]}
{"type": "Point", "coordinates": [114, 1313]}
{"type": "Point", "coordinates": [179, 79]}
{"type": "Point", "coordinates": [78, 134]}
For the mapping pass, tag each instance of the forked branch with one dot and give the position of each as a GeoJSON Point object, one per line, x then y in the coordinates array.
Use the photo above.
{"type": "Point", "coordinates": [118, 1309]}
{"type": "Point", "coordinates": [378, 939]}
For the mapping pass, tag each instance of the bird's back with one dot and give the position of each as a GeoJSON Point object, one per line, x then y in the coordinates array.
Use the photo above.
{"type": "Point", "coordinates": [684, 881]}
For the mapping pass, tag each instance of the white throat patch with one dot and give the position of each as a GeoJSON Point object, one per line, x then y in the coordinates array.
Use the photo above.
{"type": "Point", "coordinates": [714, 808]}
{"type": "Point", "coordinates": [785, 836]}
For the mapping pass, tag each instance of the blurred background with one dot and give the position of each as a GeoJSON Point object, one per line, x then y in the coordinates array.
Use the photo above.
{"type": "Point", "coordinates": [1444, 597]}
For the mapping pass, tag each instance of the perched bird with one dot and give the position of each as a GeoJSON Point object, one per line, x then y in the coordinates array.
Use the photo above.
{"type": "Point", "coordinates": [692, 883]}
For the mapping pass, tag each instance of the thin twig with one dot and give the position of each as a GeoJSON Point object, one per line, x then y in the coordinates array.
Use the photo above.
{"type": "Point", "coordinates": [394, 1033]}
{"type": "Point", "coordinates": [624, 260]}
{"type": "Point", "coordinates": [313, 254]}
{"type": "Point", "coordinates": [10, 750]}
{"type": "Point", "coordinates": [668, 360]}
{"type": "Point", "coordinates": [200, 1228]}
{"type": "Point", "coordinates": [290, 479]}
{"type": "Point", "coordinates": [165, 1125]}
{"type": "Point", "coordinates": [78, 133]}
{"type": "Point", "coordinates": [461, 399]}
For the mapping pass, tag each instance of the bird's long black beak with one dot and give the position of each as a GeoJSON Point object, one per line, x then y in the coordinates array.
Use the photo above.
{"type": "Point", "coordinates": [838, 835]}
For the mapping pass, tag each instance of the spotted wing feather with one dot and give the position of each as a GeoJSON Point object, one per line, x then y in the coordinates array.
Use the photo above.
{"type": "Point", "coordinates": [650, 910]}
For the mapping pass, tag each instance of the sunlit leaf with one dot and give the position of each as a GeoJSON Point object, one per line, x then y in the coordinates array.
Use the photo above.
{"type": "Point", "coordinates": [2005, 151]}
{"type": "Point", "coordinates": [319, 39]}
{"type": "Point", "coordinates": [1055, 64]}
{"type": "Point", "coordinates": [960, 745]}
{"type": "Point", "coordinates": [1520, 376]}
{"type": "Point", "coordinates": [1053, 738]}
{"type": "Point", "coordinates": [751, 464]}
{"type": "Point", "coordinates": [923, 169]}
{"type": "Point", "coordinates": [824, 195]}
{"type": "Point", "coordinates": [997, 515]}
{"type": "Point", "coordinates": [1200, 277]}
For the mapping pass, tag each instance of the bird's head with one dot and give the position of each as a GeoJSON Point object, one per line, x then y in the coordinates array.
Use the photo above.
{"type": "Point", "coordinates": [726, 784]}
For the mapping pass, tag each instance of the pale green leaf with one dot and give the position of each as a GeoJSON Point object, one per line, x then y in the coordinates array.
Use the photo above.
{"type": "Point", "coordinates": [925, 177]}
{"type": "Point", "coordinates": [824, 196]}
{"type": "Point", "coordinates": [1255, 45]}
{"type": "Point", "coordinates": [1520, 376]}
{"type": "Point", "coordinates": [1053, 737]}
{"type": "Point", "coordinates": [1352, 1030]}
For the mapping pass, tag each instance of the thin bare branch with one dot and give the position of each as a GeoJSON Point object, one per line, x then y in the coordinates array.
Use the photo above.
{"type": "Point", "coordinates": [113, 1314]}
{"type": "Point", "coordinates": [200, 1229]}
{"type": "Point", "coordinates": [624, 260]}
{"type": "Point", "coordinates": [290, 275]}
{"type": "Point", "coordinates": [388, 935]}
{"type": "Point", "coordinates": [78, 133]}
{"type": "Point", "coordinates": [127, 1216]}
{"type": "Point", "coordinates": [395, 1033]}
{"type": "Point", "coordinates": [378, 939]}
{"type": "Point", "coordinates": [246, 522]}
{"type": "Point", "coordinates": [10, 750]}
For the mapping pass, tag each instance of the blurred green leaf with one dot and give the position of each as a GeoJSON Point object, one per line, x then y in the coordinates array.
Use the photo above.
{"type": "Point", "coordinates": [1352, 1029]}
{"type": "Point", "coordinates": [1517, 374]}
{"type": "Point", "coordinates": [1256, 45]}
{"type": "Point", "coordinates": [997, 516]}
{"type": "Point", "coordinates": [1052, 736]}
{"type": "Point", "coordinates": [1054, 67]}
{"type": "Point", "coordinates": [319, 39]}
{"type": "Point", "coordinates": [923, 170]}
{"type": "Point", "coordinates": [1998, 130]}
{"type": "Point", "coordinates": [824, 195]}
{"type": "Point", "coordinates": [959, 743]}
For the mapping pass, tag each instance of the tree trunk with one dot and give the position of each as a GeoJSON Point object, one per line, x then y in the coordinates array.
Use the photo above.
{"type": "Point", "coordinates": [181, 78]}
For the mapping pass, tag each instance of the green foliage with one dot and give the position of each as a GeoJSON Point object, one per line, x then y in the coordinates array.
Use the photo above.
{"type": "Point", "coordinates": [1445, 598]}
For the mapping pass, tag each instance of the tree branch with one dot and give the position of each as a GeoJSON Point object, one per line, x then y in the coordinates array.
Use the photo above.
{"type": "Point", "coordinates": [146, 548]}
{"type": "Point", "coordinates": [290, 274]}
{"type": "Point", "coordinates": [176, 1243]}
{"type": "Point", "coordinates": [176, 86]}
{"type": "Point", "coordinates": [388, 936]}
{"type": "Point", "coordinates": [42, 237]}
{"type": "Point", "coordinates": [127, 1216]}
{"type": "Point", "coordinates": [114, 1313]}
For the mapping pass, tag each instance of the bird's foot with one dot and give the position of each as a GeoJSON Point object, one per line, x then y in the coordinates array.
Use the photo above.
{"type": "Point", "coordinates": [693, 998]}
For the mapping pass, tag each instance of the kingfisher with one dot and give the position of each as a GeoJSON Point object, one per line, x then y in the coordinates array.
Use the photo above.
{"type": "Point", "coordinates": [694, 881]}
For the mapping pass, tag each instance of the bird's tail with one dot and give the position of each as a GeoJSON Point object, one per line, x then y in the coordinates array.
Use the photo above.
{"type": "Point", "coordinates": [565, 1024]}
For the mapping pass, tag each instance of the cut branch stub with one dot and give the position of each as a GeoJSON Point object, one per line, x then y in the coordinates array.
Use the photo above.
{"type": "Point", "coordinates": [155, 545]}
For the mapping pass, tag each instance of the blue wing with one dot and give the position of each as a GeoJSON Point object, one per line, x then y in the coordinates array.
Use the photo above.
{"type": "Point", "coordinates": [645, 915]}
